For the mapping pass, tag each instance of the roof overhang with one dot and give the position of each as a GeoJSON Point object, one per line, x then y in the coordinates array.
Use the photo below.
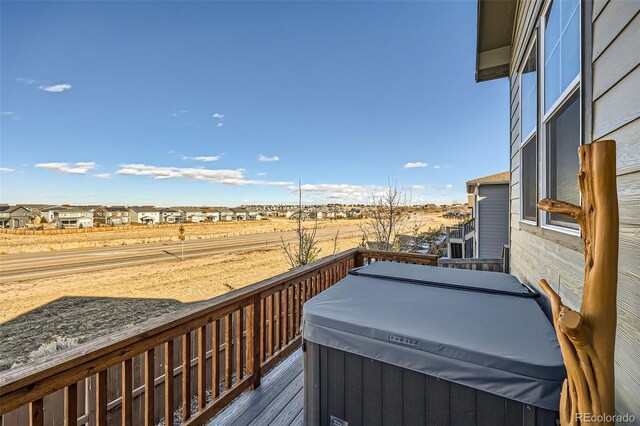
{"type": "Point", "coordinates": [493, 45]}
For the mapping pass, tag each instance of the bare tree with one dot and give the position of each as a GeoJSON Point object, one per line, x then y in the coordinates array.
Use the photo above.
{"type": "Point", "coordinates": [389, 220]}
{"type": "Point", "coordinates": [306, 249]}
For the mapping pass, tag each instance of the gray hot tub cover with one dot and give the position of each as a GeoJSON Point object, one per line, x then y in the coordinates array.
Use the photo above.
{"type": "Point", "coordinates": [498, 342]}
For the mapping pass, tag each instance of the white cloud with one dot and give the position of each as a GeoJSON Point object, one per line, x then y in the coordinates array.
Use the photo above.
{"type": "Point", "coordinates": [449, 186]}
{"type": "Point", "coordinates": [415, 165]}
{"type": "Point", "coordinates": [227, 177]}
{"type": "Point", "coordinates": [170, 152]}
{"type": "Point", "coordinates": [414, 187]}
{"type": "Point", "coordinates": [203, 158]}
{"type": "Point", "coordinates": [261, 174]}
{"type": "Point", "coordinates": [55, 88]}
{"type": "Point", "coordinates": [79, 168]}
{"type": "Point", "coordinates": [5, 170]}
{"type": "Point", "coordinates": [220, 124]}
{"type": "Point", "coordinates": [343, 192]}
{"type": "Point", "coordinates": [436, 167]}
{"type": "Point", "coordinates": [218, 115]}
{"type": "Point", "coordinates": [266, 158]}
{"type": "Point", "coordinates": [27, 80]}
{"type": "Point", "coordinates": [10, 115]}
{"type": "Point", "coordinates": [103, 175]}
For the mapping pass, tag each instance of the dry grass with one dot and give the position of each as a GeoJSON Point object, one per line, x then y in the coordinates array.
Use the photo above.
{"type": "Point", "coordinates": [36, 314]}
{"type": "Point", "coordinates": [10, 243]}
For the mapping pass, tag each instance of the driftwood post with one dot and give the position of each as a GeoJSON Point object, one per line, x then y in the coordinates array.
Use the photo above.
{"type": "Point", "coordinates": [587, 338]}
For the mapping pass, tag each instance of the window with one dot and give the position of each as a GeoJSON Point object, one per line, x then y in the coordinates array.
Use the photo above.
{"type": "Point", "coordinates": [529, 88]}
{"type": "Point", "coordinates": [529, 125]}
{"type": "Point", "coordinates": [561, 100]}
{"type": "Point", "coordinates": [561, 49]}
{"type": "Point", "coordinates": [529, 163]}
{"type": "Point", "coordinates": [563, 140]}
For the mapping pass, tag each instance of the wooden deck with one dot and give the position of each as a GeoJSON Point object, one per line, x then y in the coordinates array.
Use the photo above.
{"type": "Point", "coordinates": [278, 400]}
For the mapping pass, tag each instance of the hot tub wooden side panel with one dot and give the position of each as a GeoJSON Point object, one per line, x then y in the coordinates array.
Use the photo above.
{"type": "Point", "coordinates": [363, 391]}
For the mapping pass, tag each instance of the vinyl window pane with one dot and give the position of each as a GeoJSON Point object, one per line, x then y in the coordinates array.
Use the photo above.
{"type": "Point", "coordinates": [529, 82]}
{"type": "Point", "coordinates": [561, 49]}
{"type": "Point", "coordinates": [529, 183]}
{"type": "Point", "coordinates": [563, 140]}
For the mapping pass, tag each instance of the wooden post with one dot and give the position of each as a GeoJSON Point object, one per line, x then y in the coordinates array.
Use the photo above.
{"type": "Point", "coordinates": [587, 338]}
{"type": "Point", "coordinates": [256, 326]}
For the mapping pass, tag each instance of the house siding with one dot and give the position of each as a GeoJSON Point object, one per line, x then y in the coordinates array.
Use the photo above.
{"type": "Point", "coordinates": [492, 220]}
{"type": "Point", "coordinates": [615, 107]}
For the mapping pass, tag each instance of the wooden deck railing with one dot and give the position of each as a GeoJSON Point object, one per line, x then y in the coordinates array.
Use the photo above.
{"type": "Point", "coordinates": [461, 231]}
{"type": "Point", "coordinates": [192, 362]}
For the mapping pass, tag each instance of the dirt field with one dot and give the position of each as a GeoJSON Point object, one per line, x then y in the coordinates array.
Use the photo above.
{"type": "Point", "coordinates": [75, 308]}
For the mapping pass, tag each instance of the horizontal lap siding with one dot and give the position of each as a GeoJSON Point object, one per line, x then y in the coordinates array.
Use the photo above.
{"type": "Point", "coordinates": [616, 115]}
{"type": "Point", "coordinates": [492, 220]}
{"type": "Point", "coordinates": [538, 253]}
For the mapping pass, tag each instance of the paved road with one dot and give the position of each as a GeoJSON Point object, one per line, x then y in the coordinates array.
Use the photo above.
{"type": "Point", "coordinates": [24, 266]}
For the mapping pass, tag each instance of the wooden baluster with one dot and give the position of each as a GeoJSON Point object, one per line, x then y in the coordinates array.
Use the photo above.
{"type": "Point", "coordinates": [227, 351]}
{"type": "Point", "coordinates": [252, 338]}
{"type": "Point", "coordinates": [186, 376]}
{"type": "Point", "coordinates": [277, 296]}
{"type": "Point", "coordinates": [149, 387]}
{"type": "Point", "coordinates": [101, 398]}
{"type": "Point", "coordinates": [36, 413]}
{"type": "Point", "coordinates": [238, 344]}
{"type": "Point", "coordinates": [285, 316]}
{"type": "Point", "coordinates": [202, 367]}
{"type": "Point", "coordinates": [270, 326]}
{"type": "Point", "coordinates": [256, 325]}
{"type": "Point", "coordinates": [262, 330]}
{"type": "Point", "coordinates": [127, 391]}
{"type": "Point", "coordinates": [295, 308]}
{"type": "Point", "coordinates": [293, 325]}
{"type": "Point", "coordinates": [71, 405]}
{"type": "Point", "coordinates": [168, 383]}
{"type": "Point", "coordinates": [215, 359]}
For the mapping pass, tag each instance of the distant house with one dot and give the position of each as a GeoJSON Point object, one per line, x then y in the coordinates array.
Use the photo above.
{"type": "Point", "coordinates": [114, 216]}
{"type": "Point", "coordinates": [193, 214]}
{"type": "Point", "coordinates": [486, 233]}
{"type": "Point", "coordinates": [145, 214]}
{"type": "Point", "coordinates": [226, 214]}
{"type": "Point", "coordinates": [254, 214]}
{"type": "Point", "coordinates": [5, 215]}
{"type": "Point", "coordinates": [171, 216]}
{"type": "Point", "coordinates": [490, 212]}
{"type": "Point", "coordinates": [240, 213]}
{"type": "Point", "coordinates": [69, 217]}
{"type": "Point", "coordinates": [212, 215]}
{"type": "Point", "coordinates": [18, 217]}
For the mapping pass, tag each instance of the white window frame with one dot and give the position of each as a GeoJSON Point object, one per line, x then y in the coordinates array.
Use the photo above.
{"type": "Point", "coordinates": [534, 134]}
{"type": "Point", "coordinates": [544, 116]}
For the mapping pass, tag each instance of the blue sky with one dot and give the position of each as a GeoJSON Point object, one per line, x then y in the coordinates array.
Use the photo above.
{"type": "Point", "coordinates": [182, 102]}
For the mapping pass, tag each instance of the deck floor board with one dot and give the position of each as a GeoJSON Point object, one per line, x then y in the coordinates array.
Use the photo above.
{"type": "Point", "coordinates": [278, 400]}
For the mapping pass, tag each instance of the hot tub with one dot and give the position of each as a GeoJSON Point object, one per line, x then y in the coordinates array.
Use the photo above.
{"type": "Point", "coordinates": [420, 345]}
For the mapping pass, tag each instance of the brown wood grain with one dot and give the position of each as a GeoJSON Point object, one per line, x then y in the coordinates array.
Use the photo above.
{"type": "Point", "coordinates": [71, 405]}
{"type": "Point", "coordinates": [186, 376]}
{"type": "Point", "coordinates": [215, 358]}
{"type": "Point", "coordinates": [149, 387]}
{"type": "Point", "coordinates": [202, 367]}
{"type": "Point", "coordinates": [126, 375]}
{"type": "Point", "coordinates": [168, 383]}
